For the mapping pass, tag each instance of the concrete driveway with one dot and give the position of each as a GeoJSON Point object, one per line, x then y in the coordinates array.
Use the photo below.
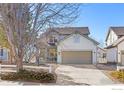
{"type": "Point", "coordinates": [81, 75]}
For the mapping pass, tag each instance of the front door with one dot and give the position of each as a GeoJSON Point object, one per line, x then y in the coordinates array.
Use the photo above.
{"type": "Point", "coordinates": [52, 54]}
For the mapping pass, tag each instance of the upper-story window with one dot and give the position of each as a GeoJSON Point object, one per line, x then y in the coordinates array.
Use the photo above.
{"type": "Point", "coordinates": [104, 55]}
{"type": "Point", "coordinates": [52, 40]}
{"type": "Point", "coordinates": [76, 39]}
{"type": "Point", "coordinates": [61, 37]}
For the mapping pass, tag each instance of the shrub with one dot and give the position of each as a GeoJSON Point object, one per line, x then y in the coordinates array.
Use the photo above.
{"type": "Point", "coordinates": [25, 75]}
{"type": "Point", "coordinates": [9, 76]}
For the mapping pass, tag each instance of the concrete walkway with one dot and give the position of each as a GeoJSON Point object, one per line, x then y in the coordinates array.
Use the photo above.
{"type": "Point", "coordinates": [81, 75]}
{"type": "Point", "coordinates": [21, 83]}
{"type": "Point", "coordinates": [16, 83]}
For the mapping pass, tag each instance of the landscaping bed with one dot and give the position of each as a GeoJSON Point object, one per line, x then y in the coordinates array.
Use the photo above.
{"type": "Point", "coordinates": [118, 75]}
{"type": "Point", "coordinates": [30, 76]}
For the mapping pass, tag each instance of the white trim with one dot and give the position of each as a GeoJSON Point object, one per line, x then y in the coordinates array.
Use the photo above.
{"type": "Point", "coordinates": [87, 37]}
{"type": "Point", "coordinates": [120, 68]}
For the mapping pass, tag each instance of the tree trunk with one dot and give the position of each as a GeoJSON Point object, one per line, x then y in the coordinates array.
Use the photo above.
{"type": "Point", "coordinates": [37, 60]}
{"type": "Point", "coordinates": [19, 60]}
{"type": "Point", "coordinates": [11, 57]}
{"type": "Point", "coordinates": [19, 64]}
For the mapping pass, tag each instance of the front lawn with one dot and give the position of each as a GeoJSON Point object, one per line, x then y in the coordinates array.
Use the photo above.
{"type": "Point", "coordinates": [30, 76]}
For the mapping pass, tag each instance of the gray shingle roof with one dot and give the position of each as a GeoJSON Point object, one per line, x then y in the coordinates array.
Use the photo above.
{"type": "Point", "coordinates": [118, 30]}
{"type": "Point", "coordinates": [69, 30]}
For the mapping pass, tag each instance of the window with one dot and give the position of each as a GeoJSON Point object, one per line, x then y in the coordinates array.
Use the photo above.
{"type": "Point", "coordinates": [76, 39]}
{"type": "Point", "coordinates": [1, 52]}
{"type": "Point", "coordinates": [61, 37]}
{"type": "Point", "coordinates": [104, 55]}
{"type": "Point", "coordinates": [52, 40]}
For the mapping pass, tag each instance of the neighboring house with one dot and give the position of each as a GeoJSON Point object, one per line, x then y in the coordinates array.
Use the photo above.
{"type": "Point", "coordinates": [4, 52]}
{"type": "Point", "coordinates": [115, 45]}
{"type": "Point", "coordinates": [69, 45]}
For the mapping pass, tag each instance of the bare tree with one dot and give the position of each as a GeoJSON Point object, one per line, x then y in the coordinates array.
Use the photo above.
{"type": "Point", "coordinates": [24, 22]}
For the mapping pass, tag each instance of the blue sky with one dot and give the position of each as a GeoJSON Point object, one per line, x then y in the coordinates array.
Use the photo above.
{"type": "Point", "coordinates": [99, 17]}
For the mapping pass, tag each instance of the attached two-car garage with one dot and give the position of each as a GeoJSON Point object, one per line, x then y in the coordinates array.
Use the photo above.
{"type": "Point", "coordinates": [76, 57]}
{"type": "Point", "coordinates": [77, 49]}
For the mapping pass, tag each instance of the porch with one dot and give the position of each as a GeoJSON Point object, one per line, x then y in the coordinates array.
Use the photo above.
{"type": "Point", "coordinates": [50, 54]}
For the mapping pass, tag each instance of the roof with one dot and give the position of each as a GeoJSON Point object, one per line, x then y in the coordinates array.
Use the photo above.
{"type": "Point", "coordinates": [65, 31]}
{"type": "Point", "coordinates": [111, 46]}
{"type": "Point", "coordinates": [118, 41]}
{"type": "Point", "coordinates": [101, 48]}
{"type": "Point", "coordinates": [119, 31]}
{"type": "Point", "coordinates": [94, 41]}
{"type": "Point", "coordinates": [69, 30]}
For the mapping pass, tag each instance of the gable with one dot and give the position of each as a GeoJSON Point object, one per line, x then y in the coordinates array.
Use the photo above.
{"type": "Point", "coordinates": [110, 33]}
{"type": "Point", "coordinates": [118, 31]}
{"type": "Point", "coordinates": [83, 43]}
{"type": "Point", "coordinates": [111, 37]}
{"type": "Point", "coordinates": [116, 43]}
{"type": "Point", "coordinates": [95, 42]}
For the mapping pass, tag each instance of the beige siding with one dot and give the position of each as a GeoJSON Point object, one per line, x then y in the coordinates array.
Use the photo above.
{"type": "Point", "coordinates": [120, 49]}
{"type": "Point", "coordinates": [112, 55]}
{"type": "Point", "coordinates": [84, 45]}
{"type": "Point", "coordinates": [101, 56]}
{"type": "Point", "coordinates": [111, 38]}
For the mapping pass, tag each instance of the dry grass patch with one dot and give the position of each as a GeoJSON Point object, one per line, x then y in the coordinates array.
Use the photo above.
{"type": "Point", "coordinates": [118, 75]}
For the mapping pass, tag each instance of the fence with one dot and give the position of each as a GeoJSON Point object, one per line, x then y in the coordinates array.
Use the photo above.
{"type": "Point", "coordinates": [12, 68]}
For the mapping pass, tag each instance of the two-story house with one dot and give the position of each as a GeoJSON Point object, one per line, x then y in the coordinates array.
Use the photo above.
{"type": "Point", "coordinates": [69, 45]}
{"type": "Point", "coordinates": [115, 45]}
